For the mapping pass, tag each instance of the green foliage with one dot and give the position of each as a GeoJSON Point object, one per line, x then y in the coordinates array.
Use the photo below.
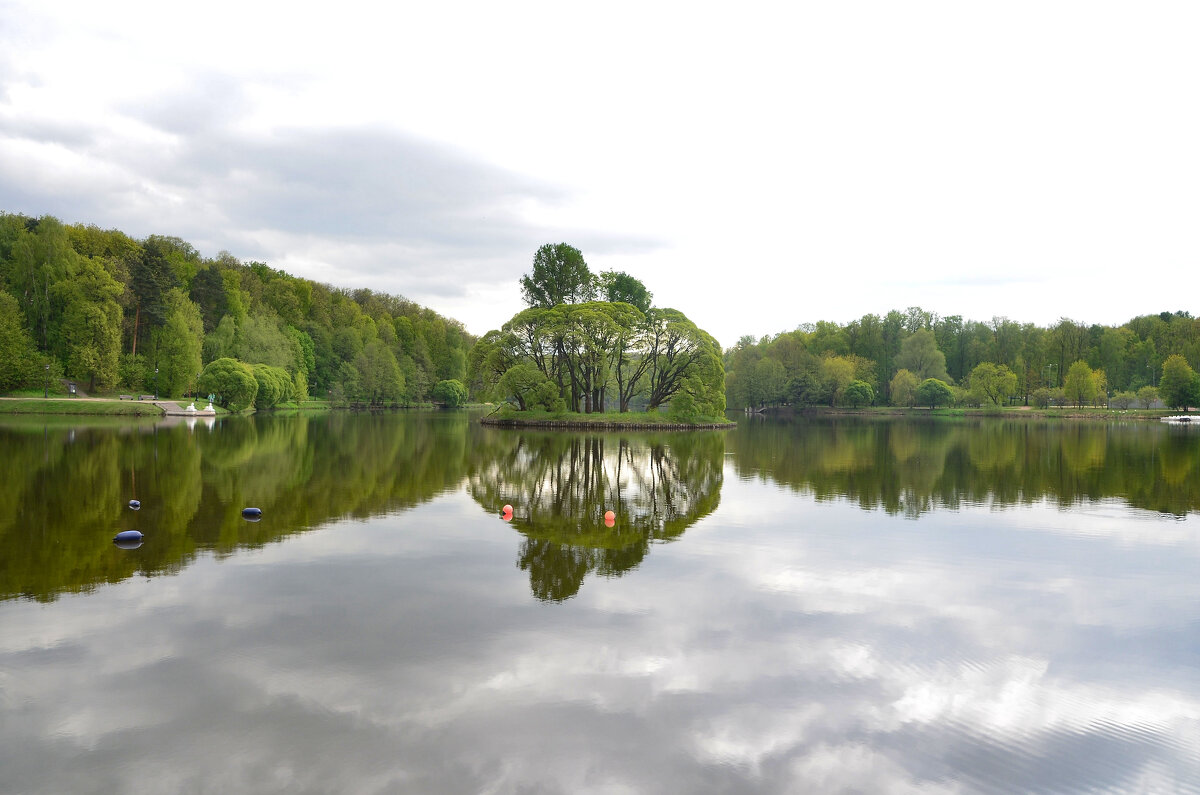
{"type": "Point", "coordinates": [919, 354]}
{"type": "Point", "coordinates": [991, 383]}
{"type": "Point", "coordinates": [859, 394]}
{"type": "Point", "coordinates": [529, 387]}
{"type": "Point", "coordinates": [299, 388]}
{"type": "Point", "coordinates": [903, 388]}
{"type": "Point", "coordinates": [1124, 358]}
{"type": "Point", "coordinates": [274, 386]}
{"type": "Point", "coordinates": [934, 392]}
{"type": "Point", "coordinates": [596, 351]}
{"type": "Point", "coordinates": [617, 286]}
{"type": "Point", "coordinates": [1123, 400]}
{"type": "Point", "coordinates": [683, 408]}
{"type": "Point", "coordinates": [1147, 396]}
{"type": "Point", "coordinates": [179, 345]}
{"type": "Point", "coordinates": [1082, 384]}
{"type": "Point", "coordinates": [1040, 398]}
{"type": "Point", "coordinates": [232, 382]}
{"type": "Point", "coordinates": [18, 358]}
{"type": "Point", "coordinates": [91, 325]}
{"type": "Point", "coordinates": [559, 276]}
{"type": "Point", "coordinates": [1176, 386]}
{"type": "Point", "coordinates": [450, 393]}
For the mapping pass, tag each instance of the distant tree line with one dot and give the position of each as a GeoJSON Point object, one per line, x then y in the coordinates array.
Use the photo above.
{"type": "Point", "coordinates": [918, 358]}
{"type": "Point", "coordinates": [593, 343]}
{"type": "Point", "coordinates": [112, 313]}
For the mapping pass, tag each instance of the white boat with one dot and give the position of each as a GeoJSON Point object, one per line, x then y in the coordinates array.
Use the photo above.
{"type": "Point", "coordinates": [1183, 419]}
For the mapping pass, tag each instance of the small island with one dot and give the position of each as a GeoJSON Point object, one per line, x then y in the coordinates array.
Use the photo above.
{"type": "Point", "coordinates": [588, 344]}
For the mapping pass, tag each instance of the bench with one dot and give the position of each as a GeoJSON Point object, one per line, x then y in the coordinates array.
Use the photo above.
{"type": "Point", "coordinates": [146, 397]}
{"type": "Point", "coordinates": [124, 397]}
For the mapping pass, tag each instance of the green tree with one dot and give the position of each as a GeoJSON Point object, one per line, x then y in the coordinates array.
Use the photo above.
{"type": "Point", "coordinates": [231, 381]}
{"type": "Point", "coordinates": [530, 388]}
{"type": "Point", "coordinates": [836, 374]}
{"type": "Point", "coordinates": [920, 355]}
{"type": "Point", "coordinates": [859, 394]}
{"type": "Point", "coordinates": [904, 388]}
{"type": "Point", "coordinates": [1123, 399]}
{"type": "Point", "coordinates": [1081, 384]}
{"type": "Point", "coordinates": [261, 338]}
{"type": "Point", "coordinates": [380, 381]}
{"type": "Point", "coordinates": [91, 325]}
{"type": "Point", "coordinates": [560, 276]}
{"type": "Point", "coordinates": [678, 348]}
{"type": "Point", "coordinates": [1147, 396]}
{"type": "Point", "coordinates": [766, 383]}
{"type": "Point", "coordinates": [992, 383]}
{"type": "Point", "coordinates": [274, 386]}
{"type": "Point", "coordinates": [450, 393]}
{"type": "Point", "coordinates": [18, 358]}
{"type": "Point", "coordinates": [1175, 387]}
{"type": "Point", "coordinates": [617, 286]}
{"type": "Point", "coordinates": [222, 341]}
{"type": "Point", "coordinates": [151, 278]}
{"type": "Point", "coordinates": [180, 344]}
{"type": "Point", "coordinates": [934, 392]}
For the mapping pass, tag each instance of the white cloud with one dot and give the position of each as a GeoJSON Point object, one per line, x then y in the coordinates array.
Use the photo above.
{"type": "Point", "coordinates": [756, 168]}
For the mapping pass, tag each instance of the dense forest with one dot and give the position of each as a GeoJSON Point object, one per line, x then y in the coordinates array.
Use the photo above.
{"type": "Point", "coordinates": [916, 357]}
{"type": "Point", "coordinates": [114, 313]}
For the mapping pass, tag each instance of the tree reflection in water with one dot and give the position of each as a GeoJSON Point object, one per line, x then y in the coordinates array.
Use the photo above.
{"type": "Point", "coordinates": [560, 485]}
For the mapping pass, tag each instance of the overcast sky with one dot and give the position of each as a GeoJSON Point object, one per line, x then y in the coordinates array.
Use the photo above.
{"type": "Point", "coordinates": [758, 166]}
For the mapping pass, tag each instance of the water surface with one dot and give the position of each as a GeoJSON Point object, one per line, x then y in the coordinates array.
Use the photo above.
{"type": "Point", "coordinates": [835, 605]}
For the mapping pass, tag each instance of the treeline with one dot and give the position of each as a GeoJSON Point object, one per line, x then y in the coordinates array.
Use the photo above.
{"type": "Point", "coordinates": [114, 313]}
{"type": "Point", "coordinates": [918, 358]}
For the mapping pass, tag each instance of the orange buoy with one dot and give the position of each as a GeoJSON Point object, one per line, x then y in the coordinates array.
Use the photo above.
{"type": "Point", "coordinates": [506, 509]}
{"type": "Point", "coordinates": [609, 516]}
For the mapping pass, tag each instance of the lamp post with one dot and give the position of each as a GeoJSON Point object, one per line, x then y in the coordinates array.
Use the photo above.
{"type": "Point", "coordinates": [46, 384]}
{"type": "Point", "coordinates": [1045, 369]}
{"type": "Point", "coordinates": [156, 383]}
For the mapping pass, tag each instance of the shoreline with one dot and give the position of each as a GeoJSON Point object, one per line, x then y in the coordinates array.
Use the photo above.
{"type": "Point", "coordinates": [1007, 413]}
{"type": "Point", "coordinates": [604, 425]}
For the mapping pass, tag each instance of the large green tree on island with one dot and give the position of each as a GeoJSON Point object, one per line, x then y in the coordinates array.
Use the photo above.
{"type": "Point", "coordinates": [578, 354]}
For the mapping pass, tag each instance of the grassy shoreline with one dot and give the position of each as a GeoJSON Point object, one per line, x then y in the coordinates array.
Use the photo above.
{"type": "Point", "coordinates": [75, 406]}
{"type": "Point", "coordinates": [1001, 412]}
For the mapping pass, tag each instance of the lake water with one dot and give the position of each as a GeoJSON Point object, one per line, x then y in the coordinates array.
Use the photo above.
{"type": "Point", "coordinates": [829, 605]}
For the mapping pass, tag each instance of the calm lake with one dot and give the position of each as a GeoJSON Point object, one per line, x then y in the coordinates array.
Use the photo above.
{"type": "Point", "coordinates": [824, 605]}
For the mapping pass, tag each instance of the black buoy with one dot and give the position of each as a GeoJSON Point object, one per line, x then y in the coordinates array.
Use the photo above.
{"type": "Point", "coordinates": [128, 539]}
{"type": "Point", "coordinates": [252, 514]}
{"type": "Point", "coordinates": [135, 504]}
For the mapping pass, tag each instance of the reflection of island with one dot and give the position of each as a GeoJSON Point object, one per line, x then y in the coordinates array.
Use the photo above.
{"type": "Point", "coordinates": [560, 485]}
{"type": "Point", "coordinates": [910, 467]}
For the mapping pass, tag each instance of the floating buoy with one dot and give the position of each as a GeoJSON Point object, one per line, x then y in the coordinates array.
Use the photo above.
{"type": "Point", "coordinates": [506, 509]}
{"type": "Point", "coordinates": [252, 514]}
{"type": "Point", "coordinates": [135, 505]}
{"type": "Point", "coordinates": [609, 516]}
{"type": "Point", "coordinates": [128, 539]}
